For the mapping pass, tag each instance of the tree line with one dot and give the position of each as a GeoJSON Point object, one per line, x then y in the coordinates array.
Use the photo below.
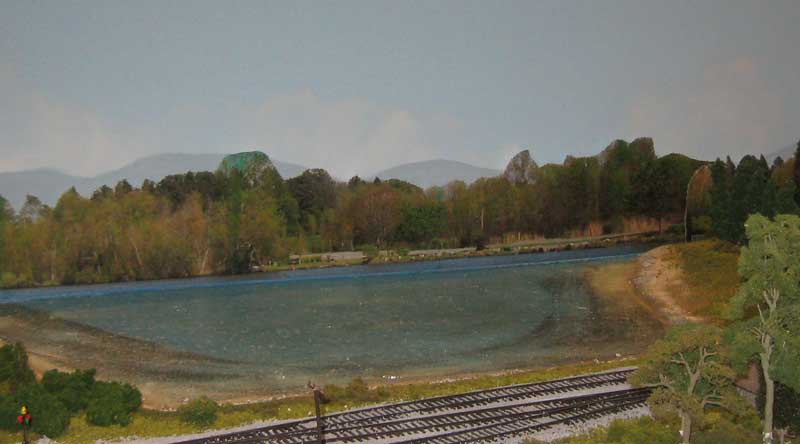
{"type": "Point", "coordinates": [236, 217]}
{"type": "Point", "coordinates": [750, 187]}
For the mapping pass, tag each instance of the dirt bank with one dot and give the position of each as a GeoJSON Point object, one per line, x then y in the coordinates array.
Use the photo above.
{"type": "Point", "coordinates": [659, 281]}
{"type": "Point", "coordinates": [654, 283]}
{"type": "Point", "coordinates": [164, 376]}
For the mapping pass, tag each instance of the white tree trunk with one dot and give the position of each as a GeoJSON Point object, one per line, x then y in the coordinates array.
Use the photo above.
{"type": "Point", "coordinates": [769, 388]}
{"type": "Point", "coordinates": [686, 428]}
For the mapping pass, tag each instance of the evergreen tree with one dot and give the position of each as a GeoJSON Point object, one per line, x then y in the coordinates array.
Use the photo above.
{"type": "Point", "coordinates": [784, 201]}
{"type": "Point", "coordinates": [722, 209]}
{"type": "Point", "coordinates": [797, 173]}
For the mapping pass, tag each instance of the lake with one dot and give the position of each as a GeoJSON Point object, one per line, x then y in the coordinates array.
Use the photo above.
{"type": "Point", "coordinates": [276, 331]}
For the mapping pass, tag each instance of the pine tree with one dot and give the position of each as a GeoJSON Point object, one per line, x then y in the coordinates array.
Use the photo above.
{"type": "Point", "coordinates": [722, 216]}
{"type": "Point", "coordinates": [797, 173]}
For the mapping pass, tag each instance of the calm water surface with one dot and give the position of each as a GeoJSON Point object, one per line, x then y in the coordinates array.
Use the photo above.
{"type": "Point", "coordinates": [419, 319]}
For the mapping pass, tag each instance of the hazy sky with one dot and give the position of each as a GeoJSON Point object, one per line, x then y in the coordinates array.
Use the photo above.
{"type": "Point", "coordinates": [355, 87]}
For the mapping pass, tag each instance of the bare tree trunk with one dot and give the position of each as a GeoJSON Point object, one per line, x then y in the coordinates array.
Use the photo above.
{"type": "Point", "coordinates": [769, 388]}
{"type": "Point", "coordinates": [686, 428]}
{"type": "Point", "coordinates": [686, 228]}
{"type": "Point", "coordinates": [203, 263]}
{"type": "Point", "coordinates": [138, 255]}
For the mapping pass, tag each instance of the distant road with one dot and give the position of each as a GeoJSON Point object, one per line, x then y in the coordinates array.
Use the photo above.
{"type": "Point", "coordinates": [509, 413]}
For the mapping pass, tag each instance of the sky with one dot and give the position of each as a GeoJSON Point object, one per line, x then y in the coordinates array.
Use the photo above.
{"type": "Point", "coordinates": [356, 87]}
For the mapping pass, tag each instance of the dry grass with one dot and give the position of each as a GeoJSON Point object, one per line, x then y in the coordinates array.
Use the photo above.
{"type": "Point", "coordinates": [710, 273]}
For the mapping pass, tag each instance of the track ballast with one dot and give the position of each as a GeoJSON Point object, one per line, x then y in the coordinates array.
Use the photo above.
{"type": "Point", "coordinates": [474, 417]}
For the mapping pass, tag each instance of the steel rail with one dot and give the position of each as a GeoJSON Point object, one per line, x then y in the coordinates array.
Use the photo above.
{"type": "Point", "coordinates": [375, 416]}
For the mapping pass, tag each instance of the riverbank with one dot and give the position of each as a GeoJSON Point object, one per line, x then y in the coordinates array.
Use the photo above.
{"type": "Point", "coordinates": [399, 256]}
{"type": "Point", "coordinates": [163, 375]}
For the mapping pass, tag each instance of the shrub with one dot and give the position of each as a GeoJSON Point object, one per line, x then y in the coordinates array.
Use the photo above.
{"type": "Point", "coordinates": [72, 389]}
{"type": "Point", "coordinates": [676, 229]}
{"type": "Point", "coordinates": [200, 412]}
{"type": "Point", "coordinates": [642, 430]}
{"type": "Point", "coordinates": [729, 433]}
{"type": "Point", "coordinates": [356, 392]}
{"type": "Point", "coordinates": [112, 403]}
{"type": "Point", "coordinates": [49, 416]}
{"type": "Point", "coordinates": [701, 224]}
{"type": "Point", "coordinates": [14, 370]}
{"type": "Point", "coordinates": [8, 412]}
{"type": "Point", "coordinates": [370, 251]}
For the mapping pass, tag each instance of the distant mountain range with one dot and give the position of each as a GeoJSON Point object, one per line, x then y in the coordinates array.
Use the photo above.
{"type": "Point", "coordinates": [436, 172]}
{"type": "Point", "coordinates": [49, 184]}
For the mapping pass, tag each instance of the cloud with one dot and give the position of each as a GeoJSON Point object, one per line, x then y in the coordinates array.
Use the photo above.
{"type": "Point", "coordinates": [346, 137]}
{"type": "Point", "coordinates": [39, 131]}
{"type": "Point", "coordinates": [730, 110]}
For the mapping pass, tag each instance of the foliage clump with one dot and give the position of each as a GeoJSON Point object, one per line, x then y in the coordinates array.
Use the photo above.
{"type": "Point", "coordinates": [200, 412]}
{"type": "Point", "coordinates": [112, 403]}
{"type": "Point", "coordinates": [688, 372]}
{"type": "Point", "coordinates": [59, 396]}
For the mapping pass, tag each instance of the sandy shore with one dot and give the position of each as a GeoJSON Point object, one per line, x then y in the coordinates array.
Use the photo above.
{"type": "Point", "coordinates": [660, 281]}
{"type": "Point", "coordinates": [652, 282]}
{"type": "Point", "coordinates": [165, 376]}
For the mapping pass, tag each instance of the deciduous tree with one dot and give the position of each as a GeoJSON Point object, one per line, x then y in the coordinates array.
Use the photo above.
{"type": "Point", "coordinates": [767, 305]}
{"type": "Point", "coordinates": [688, 373]}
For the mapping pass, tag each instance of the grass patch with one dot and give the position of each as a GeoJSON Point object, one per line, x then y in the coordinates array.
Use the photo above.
{"type": "Point", "coordinates": [710, 273]}
{"type": "Point", "coordinates": [148, 423]}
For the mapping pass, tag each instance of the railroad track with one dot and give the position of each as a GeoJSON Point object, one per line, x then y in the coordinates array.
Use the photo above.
{"type": "Point", "coordinates": [477, 416]}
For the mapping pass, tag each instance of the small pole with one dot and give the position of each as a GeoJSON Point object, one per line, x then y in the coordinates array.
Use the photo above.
{"type": "Point", "coordinates": [320, 436]}
{"type": "Point", "coordinates": [317, 401]}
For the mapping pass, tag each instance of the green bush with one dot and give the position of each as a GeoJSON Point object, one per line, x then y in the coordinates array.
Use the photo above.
{"type": "Point", "coordinates": [8, 280]}
{"type": "Point", "coordinates": [356, 392]}
{"type": "Point", "coordinates": [676, 229]}
{"type": "Point", "coordinates": [14, 370]}
{"type": "Point", "coordinates": [639, 431]}
{"type": "Point", "coordinates": [72, 389]}
{"type": "Point", "coordinates": [200, 412]}
{"type": "Point", "coordinates": [8, 412]}
{"type": "Point", "coordinates": [49, 416]}
{"type": "Point", "coordinates": [112, 403]}
{"type": "Point", "coordinates": [370, 251]}
{"type": "Point", "coordinates": [728, 433]}
{"type": "Point", "coordinates": [701, 224]}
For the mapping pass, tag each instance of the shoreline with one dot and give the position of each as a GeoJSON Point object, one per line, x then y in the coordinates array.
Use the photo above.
{"type": "Point", "coordinates": [391, 257]}
{"type": "Point", "coordinates": [661, 282]}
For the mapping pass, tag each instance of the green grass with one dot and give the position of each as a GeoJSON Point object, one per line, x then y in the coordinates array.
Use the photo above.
{"type": "Point", "coordinates": [710, 273]}
{"type": "Point", "coordinates": [148, 423]}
